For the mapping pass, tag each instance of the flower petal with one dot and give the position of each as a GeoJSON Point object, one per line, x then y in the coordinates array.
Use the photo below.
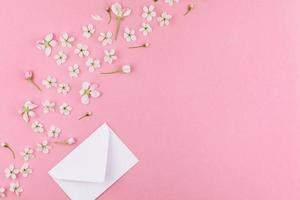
{"type": "Point", "coordinates": [85, 99]}
{"type": "Point", "coordinates": [95, 94]}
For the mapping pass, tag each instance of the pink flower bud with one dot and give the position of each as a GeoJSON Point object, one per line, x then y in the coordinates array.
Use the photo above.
{"type": "Point", "coordinates": [28, 75]}
{"type": "Point", "coordinates": [71, 141]}
{"type": "Point", "coordinates": [126, 69]}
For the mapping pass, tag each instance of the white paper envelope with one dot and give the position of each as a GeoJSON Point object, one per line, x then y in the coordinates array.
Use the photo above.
{"type": "Point", "coordinates": [94, 165]}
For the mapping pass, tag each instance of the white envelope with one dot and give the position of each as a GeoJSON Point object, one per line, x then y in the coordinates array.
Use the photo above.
{"type": "Point", "coordinates": [94, 165]}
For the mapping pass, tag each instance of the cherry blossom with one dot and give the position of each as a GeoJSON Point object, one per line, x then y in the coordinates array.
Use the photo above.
{"type": "Point", "coordinates": [27, 153]}
{"type": "Point", "coordinates": [46, 44]}
{"type": "Point", "coordinates": [29, 77]}
{"type": "Point", "coordinates": [92, 64]}
{"type": "Point", "coordinates": [74, 71]}
{"type": "Point", "coordinates": [81, 50]}
{"type": "Point", "coordinates": [16, 188]}
{"type": "Point", "coordinates": [11, 172]}
{"type": "Point", "coordinates": [88, 91]}
{"type": "Point", "coordinates": [148, 13]}
{"type": "Point", "coordinates": [164, 19]}
{"type": "Point", "coordinates": [27, 110]}
{"type": "Point", "coordinates": [48, 106]}
{"type": "Point", "coordinates": [65, 109]}
{"type": "Point", "coordinates": [60, 58]}
{"type": "Point", "coordinates": [43, 147]}
{"type": "Point", "coordinates": [126, 69]}
{"type": "Point", "coordinates": [63, 88]}
{"type": "Point", "coordinates": [49, 82]}
{"type": "Point", "coordinates": [25, 170]}
{"type": "Point", "coordinates": [37, 127]}
{"type": "Point", "coordinates": [66, 40]}
{"type": "Point", "coordinates": [145, 29]}
{"type": "Point", "coordinates": [129, 35]}
{"type": "Point", "coordinates": [120, 14]}
{"type": "Point", "coordinates": [54, 132]}
{"type": "Point", "coordinates": [109, 56]}
{"type": "Point", "coordinates": [105, 38]}
{"type": "Point", "coordinates": [88, 30]}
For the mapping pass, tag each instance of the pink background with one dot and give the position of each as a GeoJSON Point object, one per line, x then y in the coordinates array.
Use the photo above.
{"type": "Point", "coordinates": [212, 109]}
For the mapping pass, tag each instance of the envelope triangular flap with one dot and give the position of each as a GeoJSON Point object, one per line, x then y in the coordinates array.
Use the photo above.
{"type": "Point", "coordinates": [88, 167]}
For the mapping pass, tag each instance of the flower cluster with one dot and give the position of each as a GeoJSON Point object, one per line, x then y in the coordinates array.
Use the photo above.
{"type": "Point", "coordinates": [88, 89]}
{"type": "Point", "coordinates": [12, 172]}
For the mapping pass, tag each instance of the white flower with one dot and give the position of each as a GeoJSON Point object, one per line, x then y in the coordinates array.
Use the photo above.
{"type": "Point", "coordinates": [27, 110]}
{"type": "Point", "coordinates": [88, 30]}
{"type": "Point", "coordinates": [60, 58]}
{"type": "Point", "coordinates": [66, 40]}
{"type": "Point", "coordinates": [129, 35]}
{"type": "Point", "coordinates": [87, 91]}
{"type": "Point", "coordinates": [120, 14]}
{"type": "Point", "coordinates": [92, 64]}
{"type": "Point", "coordinates": [25, 170]}
{"type": "Point", "coordinates": [105, 38]}
{"type": "Point", "coordinates": [110, 56]}
{"type": "Point", "coordinates": [70, 141]}
{"type": "Point", "coordinates": [2, 192]}
{"type": "Point", "coordinates": [63, 88]}
{"type": "Point", "coordinates": [171, 2]}
{"type": "Point", "coordinates": [11, 172]}
{"type": "Point", "coordinates": [54, 132]}
{"type": "Point", "coordinates": [164, 19]}
{"type": "Point", "coordinates": [146, 28]}
{"type": "Point", "coordinates": [49, 82]}
{"type": "Point", "coordinates": [82, 50]}
{"type": "Point", "coordinates": [37, 127]}
{"type": "Point", "coordinates": [65, 109]}
{"type": "Point", "coordinates": [46, 44]}
{"type": "Point", "coordinates": [126, 69]}
{"type": "Point", "coordinates": [148, 13]}
{"type": "Point", "coordinates": [74, 71]}
{"type": "Point", "coordinates": [16, 188]}
{"type": "Point", "coordinates": [48, 106]}
{"type": "Point", "coordinates": [43, 147]}
{"type": "Point", "coordinates": [27, 153]}
{"type": "Point", "coordinates": [119, 11]}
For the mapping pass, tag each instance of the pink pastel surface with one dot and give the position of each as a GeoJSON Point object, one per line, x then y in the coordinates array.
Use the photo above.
{"type": "Point", "coordinates": [212, 109]}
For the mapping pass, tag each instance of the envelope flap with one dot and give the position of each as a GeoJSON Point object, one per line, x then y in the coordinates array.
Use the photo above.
{"type": "Point", "coordinates": [88, 161]}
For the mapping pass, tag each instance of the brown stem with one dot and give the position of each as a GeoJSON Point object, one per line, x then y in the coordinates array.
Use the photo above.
{"type": "Point", "coordinates": [80, 118]}
{"type": "Point", "coordinates": [35, 84]}
{"type": "Point", "coordinates": [11, 150]}
{"type": "Point", "coordinates": [113, 72]}
{"type": "Point", "coordinates": [88, 114]}
{"type": "Point", "coordinates": [118, 27]}
{"type": "Point", "coordinates": [139, 46]}
{"type": "Point", "coordinates": [187, 12]}
{"type": "Point", "coordinates": [60, 142]}
{"type": "Point", "coordinates": [189, 9]}
{"type": "Point", "coordinates": [108, 10]}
